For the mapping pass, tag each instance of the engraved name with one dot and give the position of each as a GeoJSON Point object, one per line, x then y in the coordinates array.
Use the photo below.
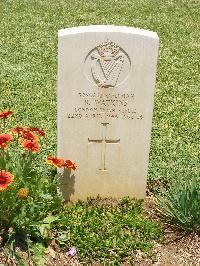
{"type": "Point", "coordinates": [105, 105]}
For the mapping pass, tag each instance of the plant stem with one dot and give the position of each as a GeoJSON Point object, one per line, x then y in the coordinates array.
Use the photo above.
{"type": "Point", "coordinates": [4, 124]}
{"type": "Point", "coordinates": [28, 246]}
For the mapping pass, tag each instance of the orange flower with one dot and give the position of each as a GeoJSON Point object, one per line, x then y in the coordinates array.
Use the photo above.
{"type": "Point", "coordinates": [5, 179]}
{"type": "Point", "coordinates": [4, 140]}
{"type": "Point", "coordinates": [69, 164]}
{"type": "Point", "coordinates": [23, 193]}
{"type": "Point", "coordinates": [5, 114]}
{"type": "Point", "coordinates": [37, 130]}
{"type": "Point", "coordinates": [57, 162]}
{"type": "Point", "coordinates": [30, 146]}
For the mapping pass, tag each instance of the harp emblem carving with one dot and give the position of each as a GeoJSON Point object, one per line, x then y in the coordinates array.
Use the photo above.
{"type": "Point", "coordinates": [107, 65]}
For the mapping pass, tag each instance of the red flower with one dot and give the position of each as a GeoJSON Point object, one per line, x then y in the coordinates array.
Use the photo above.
{"type": "Point", "coordinates": [37, 130]}
{"type": "Point", "coordinates": [69, 164]}
{"type": "Point", "coordinates": [27, 135]}
{"type": "Point", "coordinates": [30, 146]}
{"type": "Point", "coordinates": [17, 130]}
{"type": "Point", "coordinates": [5, 179]}
{"type": "Point", "coordinates": [4, 140]}
{"type": "Point", "coordinates": [5, 114]}
{"type": "Point", "coordinates": [57, 162]}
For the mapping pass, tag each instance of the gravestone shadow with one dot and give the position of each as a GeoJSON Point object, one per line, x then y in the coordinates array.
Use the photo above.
{"type": "Point", "coordinates": [67, 180]}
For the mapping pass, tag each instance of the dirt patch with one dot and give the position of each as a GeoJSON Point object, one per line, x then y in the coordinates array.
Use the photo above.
{"type": "Point", "coordinates": [183, 251]}
{"type": "Point", "coordinates": [178, 248]}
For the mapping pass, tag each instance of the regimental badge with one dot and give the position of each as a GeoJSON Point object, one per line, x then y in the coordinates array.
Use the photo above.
{"type": "Point", "coordinates": [109, 65]}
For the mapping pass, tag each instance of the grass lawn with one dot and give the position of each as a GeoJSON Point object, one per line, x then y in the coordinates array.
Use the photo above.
{"type": "Point", "coordinates": [28, 52]}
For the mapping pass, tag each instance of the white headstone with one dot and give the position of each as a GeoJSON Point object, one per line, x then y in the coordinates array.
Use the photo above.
{"type": "Point", "coordinates": [106, 79]}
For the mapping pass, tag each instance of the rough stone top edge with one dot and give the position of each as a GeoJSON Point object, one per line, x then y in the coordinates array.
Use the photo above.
{"type": "Point", "coordinates": [107, 28]}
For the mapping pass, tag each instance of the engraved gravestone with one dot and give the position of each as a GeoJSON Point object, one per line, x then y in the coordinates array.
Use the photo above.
{"type": "Point", "coordinates": [106, 79]}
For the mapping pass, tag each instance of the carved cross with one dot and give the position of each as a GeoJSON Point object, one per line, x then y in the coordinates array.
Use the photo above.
{"type": "Point", "coordinates": [104, 141]}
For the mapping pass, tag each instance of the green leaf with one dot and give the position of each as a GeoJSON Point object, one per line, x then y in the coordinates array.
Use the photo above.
{"type": "Point", "coordinates": [39, 252]}
{"type": "Point", "coordinates": [50, 219]}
